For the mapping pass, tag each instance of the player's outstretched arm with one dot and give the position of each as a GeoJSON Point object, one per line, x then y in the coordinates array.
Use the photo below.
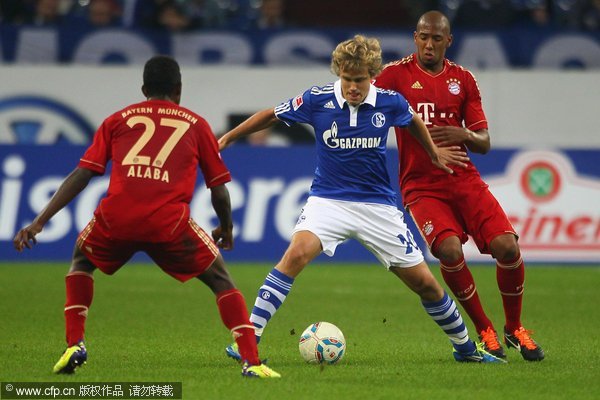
{"type": "Point", "coordinates": [441, 157]}
{"type": "Point", "coordinates": [257, 122]}
{"type": "Point", "coordinates": [68, 190]}
{"type": "Point", "coordinates": [222, 234]}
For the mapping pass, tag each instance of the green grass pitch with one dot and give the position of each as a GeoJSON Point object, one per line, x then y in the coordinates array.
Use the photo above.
{"type": "Point", "coordinates": [145, 326]}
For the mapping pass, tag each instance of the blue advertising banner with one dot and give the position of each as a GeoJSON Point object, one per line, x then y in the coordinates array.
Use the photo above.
{"type": "Point", "coordinates": [551, 196]}
{"type": "Point", "coordinates": [497, 49]}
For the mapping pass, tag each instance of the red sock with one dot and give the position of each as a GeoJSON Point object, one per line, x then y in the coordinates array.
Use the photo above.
{"type": "Point", "coordinates": [459, 279]}
{"type": "Point", "coordinates": [234, 314]}
{"type": "Point", "coordinates": [80, 291]}
{"type": "Point", "coordinates": [511, 278]}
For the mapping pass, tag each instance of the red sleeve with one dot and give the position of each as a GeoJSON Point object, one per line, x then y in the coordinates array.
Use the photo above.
{"type": "Point", "coordinates": [98, 154]}
{"type": "Point", "coordinates": [474, 116]}
{"type": "Point", "coordinates": [386, 79]}
{"type": "Point", "coordinates": [213, 168]}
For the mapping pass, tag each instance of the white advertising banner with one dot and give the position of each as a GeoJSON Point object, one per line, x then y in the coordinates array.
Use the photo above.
{"type": "Point", "coordinates": [555, 211]}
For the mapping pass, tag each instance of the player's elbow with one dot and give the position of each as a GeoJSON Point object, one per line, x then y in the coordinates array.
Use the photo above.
{"type": "Point", "coordinates": [484, 149]}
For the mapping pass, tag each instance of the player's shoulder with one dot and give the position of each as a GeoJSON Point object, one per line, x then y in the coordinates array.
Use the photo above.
{"type": "Point", "coordinates": [322, 91]}
{"type": "Point", "coordinates": [319, 95]}
{"type": "Point", "coordinates": [458, 69]}
{"type": "Point", "coordinates": [398, 65]}
{"type": "Point", "coordinates": [387, 98]}
{"type": "Point", "coordinates": [401, 63]}
{"type": "Point", "coordinates": [123, 114]}
{"type": "Point", "coordinates": [387, 92]}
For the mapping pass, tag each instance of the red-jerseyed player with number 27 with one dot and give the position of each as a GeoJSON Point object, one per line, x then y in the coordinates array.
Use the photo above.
{"type": "Point", "coordinates": [156, 147]}
{"type": "Point", "coordinates": [448, 207]}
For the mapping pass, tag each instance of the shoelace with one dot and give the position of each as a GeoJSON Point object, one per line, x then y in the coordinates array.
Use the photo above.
{"type": "Point", "coordinates": [490, 339]}
{"type": "Point", "coordinates": [523, 335]}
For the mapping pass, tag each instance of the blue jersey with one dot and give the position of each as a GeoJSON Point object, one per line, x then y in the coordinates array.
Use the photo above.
{"type": "Point", "coordinates": [351, 141]}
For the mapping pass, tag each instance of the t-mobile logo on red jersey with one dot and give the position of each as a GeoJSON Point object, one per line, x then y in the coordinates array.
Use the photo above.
{"type": "Point", "coordinates": [426, 112]}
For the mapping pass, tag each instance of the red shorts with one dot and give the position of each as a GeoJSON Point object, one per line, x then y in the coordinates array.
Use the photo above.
{"type": "Point", "coordinates": [469, 209]}
{"type": "Point", "coordinates": [190, 254]}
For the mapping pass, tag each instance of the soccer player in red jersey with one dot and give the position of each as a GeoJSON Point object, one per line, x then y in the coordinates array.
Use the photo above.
{"type": "Point", "coordinates": [156, 147]}
{"type": "Point", "coordinates": [448, 207]}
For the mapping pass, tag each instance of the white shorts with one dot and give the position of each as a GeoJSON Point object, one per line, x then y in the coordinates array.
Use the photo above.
{"type": "Point", "coordinates": [379, 228]}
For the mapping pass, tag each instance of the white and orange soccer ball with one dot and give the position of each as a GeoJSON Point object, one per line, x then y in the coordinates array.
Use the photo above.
{"type": "Point", "coordinates": [322, 343]}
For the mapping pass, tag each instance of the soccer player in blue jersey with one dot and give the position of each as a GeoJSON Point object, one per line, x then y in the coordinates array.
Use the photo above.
{"type": "Point", "coordinates": [351, 195]}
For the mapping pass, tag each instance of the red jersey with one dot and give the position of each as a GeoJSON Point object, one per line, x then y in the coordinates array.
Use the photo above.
{"type": "Point", "coordinates": [450, 97]}
{"type": "Point", "coordinates": [156, 147]}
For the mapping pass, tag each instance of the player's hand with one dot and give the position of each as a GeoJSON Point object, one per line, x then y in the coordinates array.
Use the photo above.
{"type": "Point", "coordinates": [26, 237]}
{"type": "Point", "coordinates": [444, 136]}
{"type": "Point", "coordinates": [453, 155]}
{"type": "Point", "coordinates": [223, 237]}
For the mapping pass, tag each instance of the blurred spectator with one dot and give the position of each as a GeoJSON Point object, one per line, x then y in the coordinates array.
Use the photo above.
{"type": "Point", "coordinates": [96, 14]}
{"type": "Point", "coordinates": [589, 18]}
{"type": "Point", "coordinates": [565, 12]}
{"type": "Point", "coordinates": [327, 14]}
{"type": "Point", "coordinates": [103, 13]}
{"type": "Point", "coordinates": [532, 13]}
{"type": "Point", "coordinates": [213, 13]}
{"type": "Point", "coordinates": [172, 17]}
{"type": "Point", "coordinates": [169, 15]}
{"type": "Point", "coordinates": [183, 15]}
{"type": "Point", "coordinates": [198, 13]}
{"type": "Point", "coordinates": [484, 14]}
{"type": "Point", "coordinates": [270, 15]}
{"type": "Point", "coordinates": [539, 15]}
{"type": "Point", "coordinates": [47, 13]}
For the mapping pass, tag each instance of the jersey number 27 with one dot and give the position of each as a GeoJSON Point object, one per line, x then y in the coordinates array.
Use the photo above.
{"type": "Point", "coordinates": [134, 158]}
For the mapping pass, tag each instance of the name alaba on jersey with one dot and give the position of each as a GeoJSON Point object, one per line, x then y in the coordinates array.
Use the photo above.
{"type": "Point", "coordinates": [350, 141]}
{"type": "Point", "coordinates": [449, 98]}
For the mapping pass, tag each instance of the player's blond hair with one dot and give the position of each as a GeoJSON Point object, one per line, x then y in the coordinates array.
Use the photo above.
{"type": "Point", "coordinates": [357, 53]}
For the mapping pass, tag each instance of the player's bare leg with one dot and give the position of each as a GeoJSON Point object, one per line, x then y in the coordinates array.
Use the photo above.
{"type": "Point", "coordinates": [303, 248]}
{"type": "Point", "coordinates": [442, 309]}
{"type": "Point", "coordinates": [510, 274]}
{"type": "Point", "coordinates": [459, 279]}
{"type": "Point", "coordinates": [80, 292]}
{"type": "Point", "coordinates": [234, 314]}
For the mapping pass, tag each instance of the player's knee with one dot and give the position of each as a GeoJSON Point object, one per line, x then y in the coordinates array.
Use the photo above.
{"type": "Point", "coordinates": [296, 258]}
{"type": "Point", "coordinates": [449, 252]}
{"type": "Point", "coordinates": [80, 263]}
{"type": "Point", "coordinates": [216, 277]}
{"type": "Point", "coordinates": [423, 283]}
{"type": "Point", "coordinates": [505, 248]}
{"type": "Point", "coordinates": [430, 290]}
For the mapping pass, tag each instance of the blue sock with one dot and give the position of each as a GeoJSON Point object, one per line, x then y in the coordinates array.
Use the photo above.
{"type": "Point", "coordinates": [270, 297]}
{"type": "Point", "coordinates": [445, 313]}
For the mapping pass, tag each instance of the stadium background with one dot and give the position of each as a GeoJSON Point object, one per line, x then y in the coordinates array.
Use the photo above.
{"type": "Point", "coordinates": [66, 65]}
{"type": "Point", "coordinates": [60, 77]}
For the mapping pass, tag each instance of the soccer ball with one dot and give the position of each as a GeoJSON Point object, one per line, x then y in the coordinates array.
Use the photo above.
{"type": "Point", "coordinates": [322, 343]}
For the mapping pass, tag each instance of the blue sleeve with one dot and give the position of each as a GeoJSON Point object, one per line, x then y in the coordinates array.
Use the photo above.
{"type": "Point", "coordinates": [404, 112]}
{"type": "Point", "coordinates": [295, 110]}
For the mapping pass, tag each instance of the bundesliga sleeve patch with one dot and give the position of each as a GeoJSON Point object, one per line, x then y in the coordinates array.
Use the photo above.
{"type": "Point", "coordinates": [297, 102]}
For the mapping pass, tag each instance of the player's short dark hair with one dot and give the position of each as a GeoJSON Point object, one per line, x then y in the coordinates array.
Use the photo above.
{"type": "Point", "coordinates": [161, 76]}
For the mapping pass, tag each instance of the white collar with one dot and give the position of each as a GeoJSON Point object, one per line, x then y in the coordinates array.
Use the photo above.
{"type": "Point", "coordinates": [370, 99]}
